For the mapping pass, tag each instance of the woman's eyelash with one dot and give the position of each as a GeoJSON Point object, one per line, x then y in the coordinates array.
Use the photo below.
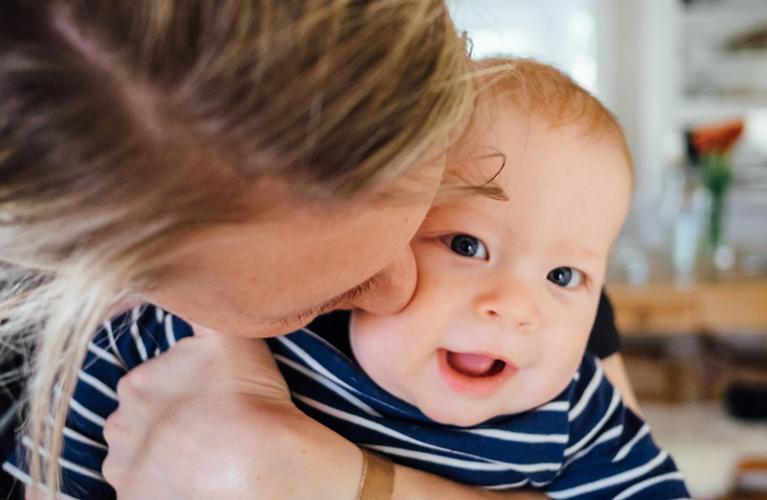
{"type": "Point", "coordinates": [311, 313]}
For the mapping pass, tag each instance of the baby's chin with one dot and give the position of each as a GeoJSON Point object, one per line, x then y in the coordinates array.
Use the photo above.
{"type": "Point", "coordinates": [469, 413]}
{"type": "Point", "coordinates": [456, 416]}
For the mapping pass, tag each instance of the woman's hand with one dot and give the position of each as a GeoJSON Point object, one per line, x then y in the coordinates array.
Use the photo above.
{"type": "Point", "coordinates": [212, 418]}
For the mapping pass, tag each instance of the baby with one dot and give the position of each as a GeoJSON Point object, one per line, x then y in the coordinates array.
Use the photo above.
{"type": "Point", "coordinates": [482, 378]}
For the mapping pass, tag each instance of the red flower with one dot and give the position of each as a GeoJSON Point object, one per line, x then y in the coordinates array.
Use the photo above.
{"type": "Point", "coordinates": [717, 139]}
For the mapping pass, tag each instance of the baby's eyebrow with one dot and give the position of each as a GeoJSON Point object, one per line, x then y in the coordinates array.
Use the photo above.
{"type": "Point", "coordinates": [570, 248]}
{"type": "Point", "coordinates": [430, 213]}
{"type": "Point", "coordinates": [468, 177]}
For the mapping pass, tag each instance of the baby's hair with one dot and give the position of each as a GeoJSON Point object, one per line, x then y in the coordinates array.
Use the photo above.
{"type": "Point", "coordinates": [549, 93]}
{"type": "Point", "coordinates": [535, 88]}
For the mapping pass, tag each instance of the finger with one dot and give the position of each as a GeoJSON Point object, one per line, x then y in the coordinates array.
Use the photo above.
{"type": "Point", "coordinates": [204, 331]}
{"type": "Point", "coordinates": [118, 459]}
{"type": "Point", "coordinates": [163, 377]}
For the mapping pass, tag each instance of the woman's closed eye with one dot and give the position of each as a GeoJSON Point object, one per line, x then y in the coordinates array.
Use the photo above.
{"type": "Point", "coordinates": [466, 245]}
{"type": "Point", "coordinates": [566, 277]}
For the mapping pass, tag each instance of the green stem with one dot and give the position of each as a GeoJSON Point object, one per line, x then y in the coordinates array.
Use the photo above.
{"type": "Point", "coordinates": [715, 221]}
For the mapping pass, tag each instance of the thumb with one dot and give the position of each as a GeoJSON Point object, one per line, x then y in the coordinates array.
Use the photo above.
{"type": "Point", "coordinates": [203, 331]}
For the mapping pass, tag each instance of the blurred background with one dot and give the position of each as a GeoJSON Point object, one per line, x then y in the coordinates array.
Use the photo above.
{"type": "Point", "coordinates": [688, 81]}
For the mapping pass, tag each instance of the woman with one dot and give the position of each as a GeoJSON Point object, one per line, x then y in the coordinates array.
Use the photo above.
{"type": "Point", "coordinates": [245, 165]}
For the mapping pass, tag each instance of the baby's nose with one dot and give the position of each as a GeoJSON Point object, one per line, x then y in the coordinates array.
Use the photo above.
{"type": "Point", "coordinates": [511, 304]}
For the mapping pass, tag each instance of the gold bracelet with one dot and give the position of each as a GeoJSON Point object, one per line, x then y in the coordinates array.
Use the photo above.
{"type": "Point", "coordinates": [377, 482]}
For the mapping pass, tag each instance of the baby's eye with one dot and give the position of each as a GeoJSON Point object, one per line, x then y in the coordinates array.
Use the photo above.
{"type": "Point", "coordinates": [467, 246]}
{"type": "Point", "coordinates": [566, 277]}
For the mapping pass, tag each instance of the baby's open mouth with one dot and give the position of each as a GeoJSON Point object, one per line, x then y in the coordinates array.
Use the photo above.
{"type": "Point", "coordinates": [475, 365]}
{"type": "Point", "coordinates": [474, 374]}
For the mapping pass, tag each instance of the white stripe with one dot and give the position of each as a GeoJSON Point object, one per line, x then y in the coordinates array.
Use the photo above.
{"type": "Point", "coordinates": [539, 484]}
{"type": "Point", "coordinates": [519, 437]}
{"type": "Point", "coordinates": [598, 427]}
{"type": "Point", "coordinates": [106, 356]}
{"type": "Point", "coordinates": [586, 396]}
{"type": "Point", "coordinates": [555, 406]}
{"type": "Point", "coordinates": [381, 429]}
{"type": "Point", "coordinates": [319, 338]}
{"type": "Point", "coordinates": [158, 314]}
{"type": "Point", "coordinates": [137, 340]}
{"type": "Point", "coordinates": [81, 470]}
{"type": "Point", "coordinates": [312, 363]}
{"type": "Point", "coordinates": [24, 478]}
{"type": "Point", "coordinates": [612, 480]}
{"type": "Point", "coordinates": [170, 335]}
{"type": "Point", "coordinates": [628, 446]}
{"type": "Point", "coordinates": [113, 345]}
{"type": "Point", "coordinates": [86, 413]}
{"type": "Point", "coordinates": [507, 486]}
{"type": "Point", "coordinates": [328, 384]}
{"type": "Point", "coordinates": [463, 464]}
{"type": "Point", "coordinates": [98, 385]}
{"type": "Point", "coordinates": [671, 476]}
{"type": "Point", "coordinates": [26, 441]}
{"type": "Point", "coordinates": [606, 436]}
{"type": "Point", "coordinates": [320, 368]}
{"type": "Point", "coordinates": [76, 436]}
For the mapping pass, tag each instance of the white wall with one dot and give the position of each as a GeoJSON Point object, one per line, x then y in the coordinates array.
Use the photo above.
{"type": "Point", "coordinates": [622, 50]}
{"type": "Point", "coordinates": [632, 55]}
{"type": "Point", "coordinates": [639, 66]}
{"type": "Point", "coordinates": [559, 32]}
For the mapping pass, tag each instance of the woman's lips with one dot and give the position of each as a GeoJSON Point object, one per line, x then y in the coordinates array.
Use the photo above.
{"type": "Point", "coordinates": [473, 374]}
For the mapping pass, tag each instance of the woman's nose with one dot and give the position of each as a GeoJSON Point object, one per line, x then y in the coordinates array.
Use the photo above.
{"type": "Point", "coordinates": [510, 304]}
{"type": "Point", "coordinates": [392, 288]}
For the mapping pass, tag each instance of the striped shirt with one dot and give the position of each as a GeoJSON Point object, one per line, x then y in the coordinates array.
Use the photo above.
{"type": "Point", "coordinates": [583, 444]}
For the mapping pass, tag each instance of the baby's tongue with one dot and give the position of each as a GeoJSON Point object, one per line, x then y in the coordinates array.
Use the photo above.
{"type": "Point", "coordinates": [470, 364]}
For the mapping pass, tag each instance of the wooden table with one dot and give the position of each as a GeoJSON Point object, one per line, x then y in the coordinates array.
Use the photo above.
{"type": "Point", "coordinates": [710, 306]}
{"type": "Point", "coordinates": [690, 321]}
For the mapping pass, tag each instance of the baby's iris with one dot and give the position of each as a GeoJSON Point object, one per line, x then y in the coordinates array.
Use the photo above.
{"type": "Point", "coordinates": [566, 277]}
{"type": "Point", "coordinates": [468, 246]}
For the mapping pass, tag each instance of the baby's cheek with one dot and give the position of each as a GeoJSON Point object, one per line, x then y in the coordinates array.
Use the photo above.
{"type": "Point", "coordinates": [561, 366]}
{"type": "Point", "coordinates": [383, 352]}
{"type": "Point", "coordinates": [377, 343]}
{"type": "Point", "coordinates": [363, 331]}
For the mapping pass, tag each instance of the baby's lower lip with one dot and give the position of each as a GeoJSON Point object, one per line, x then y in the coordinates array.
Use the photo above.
{"type": "Point", "coordinates": [477, 385]}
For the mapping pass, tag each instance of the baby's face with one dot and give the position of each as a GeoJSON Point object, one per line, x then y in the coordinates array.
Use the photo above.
{"type": "Point", "coordinates": [507, 290]}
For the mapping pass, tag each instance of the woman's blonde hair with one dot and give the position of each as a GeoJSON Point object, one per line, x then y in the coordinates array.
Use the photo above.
{"type": "Point", "coordinates": [125, 125]}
